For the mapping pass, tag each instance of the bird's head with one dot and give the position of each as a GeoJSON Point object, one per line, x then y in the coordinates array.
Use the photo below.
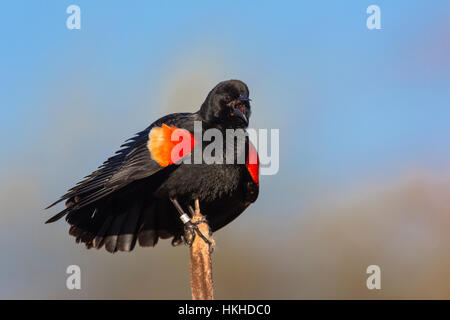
{"type": "Point", "coordinates": [227, 105]}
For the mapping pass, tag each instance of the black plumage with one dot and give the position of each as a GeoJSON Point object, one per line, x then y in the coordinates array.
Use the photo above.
{"type": "Point", "coordinates": [127, 199]}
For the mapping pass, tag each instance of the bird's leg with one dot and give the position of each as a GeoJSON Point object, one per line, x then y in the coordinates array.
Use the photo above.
{"type": "Point", "coordinates": [189, 233]}
{"type": "Point", "coordinates": [196, 223]}
{"type": "Point", "coordinates": [190, 228]}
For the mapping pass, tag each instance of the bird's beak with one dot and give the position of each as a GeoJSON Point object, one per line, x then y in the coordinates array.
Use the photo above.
{"type": "Point", "coordinates": [238, 109]}
{"type": "Point", "coordinates": [240, 114]}
{"type": "Point", "coordinates": [243, 97]}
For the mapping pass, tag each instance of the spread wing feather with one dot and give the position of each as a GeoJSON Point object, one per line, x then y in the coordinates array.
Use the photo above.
{"type": "Point", "coordinates": [114, 206]}
{"type": "Point", "coordinates": [130, 163]}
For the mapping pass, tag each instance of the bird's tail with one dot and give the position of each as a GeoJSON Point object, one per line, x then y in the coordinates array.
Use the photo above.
{"type": "Point", "coordinates": [118, 224]}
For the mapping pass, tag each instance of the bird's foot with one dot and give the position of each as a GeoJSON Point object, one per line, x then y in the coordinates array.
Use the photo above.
{"type": "Point", "coordinates": [191, 228]}
{"type": "Point", "coordinates": [190, 231]}
{"type": "Point", "coordinates": [177, 240]}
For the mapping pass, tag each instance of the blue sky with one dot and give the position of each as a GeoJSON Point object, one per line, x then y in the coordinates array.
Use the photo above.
{"type": "Point", "coordinates": [353, 106]}
{"type": "Point", "coordinates": [350, 103]}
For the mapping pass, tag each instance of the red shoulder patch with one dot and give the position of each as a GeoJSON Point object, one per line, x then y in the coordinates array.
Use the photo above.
{"type": "Point", "coordinates": [252, 162]}
{"type": "Point", "coordinates": [167, 145]}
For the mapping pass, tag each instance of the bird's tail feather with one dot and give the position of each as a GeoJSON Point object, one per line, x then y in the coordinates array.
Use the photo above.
{"type": "Point", "coordinates": [118, 225]}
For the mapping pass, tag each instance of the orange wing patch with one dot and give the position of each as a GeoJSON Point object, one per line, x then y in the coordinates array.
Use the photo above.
{"type": "Point", "coordinates": [168, 145]}
{"type": "Point", "coordinates": [252, 163]}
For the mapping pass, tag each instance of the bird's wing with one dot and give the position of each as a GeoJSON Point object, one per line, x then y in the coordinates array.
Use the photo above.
{"type": "Point", "coordinates": [137, 159]}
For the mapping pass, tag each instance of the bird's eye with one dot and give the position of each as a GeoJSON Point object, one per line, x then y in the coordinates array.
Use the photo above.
{"type": "Point", "coordinates": [227, 98]}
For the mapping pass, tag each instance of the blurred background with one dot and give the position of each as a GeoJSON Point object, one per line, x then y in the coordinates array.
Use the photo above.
{"type": "Point", "coordinates": [364, 120]}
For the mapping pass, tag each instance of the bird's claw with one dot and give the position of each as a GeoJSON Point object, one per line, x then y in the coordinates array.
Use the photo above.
{"type": "Point", "coordinates": [190, 231]}
{"type": "Point", "coordinates": [177, 240]}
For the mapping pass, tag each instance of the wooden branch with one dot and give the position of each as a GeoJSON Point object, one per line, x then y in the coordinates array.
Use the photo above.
{"type": "Point", "coordinates": [201, 265]}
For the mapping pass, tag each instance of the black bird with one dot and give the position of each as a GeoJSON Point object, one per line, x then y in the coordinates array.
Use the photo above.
{"type": "Point", "coordinates": [141, 194]}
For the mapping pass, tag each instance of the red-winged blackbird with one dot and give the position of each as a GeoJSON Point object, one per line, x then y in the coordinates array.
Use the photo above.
{"type": "Point", "coordinates": [141, 193]}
